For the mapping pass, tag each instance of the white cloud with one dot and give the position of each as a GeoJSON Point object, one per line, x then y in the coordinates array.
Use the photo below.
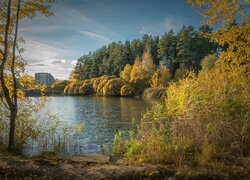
{"type": "Point", "coordinates": [96, 36]}
{"type": "Point", "coordinates": [74, 62]}
{"type": "Point", "coordinates": [58, 61]}
{"type": "Point", "coordinates": [56, 55]}
{"type": "Point", "coordinates": [41, 57]}
{"type": "Point", "coordinates": [169, 24]}
{"type": "Point", "coordinates": [158, 28]}
{"type": "Point", "coordinates": [65, 18]}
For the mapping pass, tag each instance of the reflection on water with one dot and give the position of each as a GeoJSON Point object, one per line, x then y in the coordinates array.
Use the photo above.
{"type": "Point", "coordinates": [102, 117]}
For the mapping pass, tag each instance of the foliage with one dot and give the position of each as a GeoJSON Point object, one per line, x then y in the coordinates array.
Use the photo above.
{"type": "Point", "coordinates": [103, 81]}
{"type": "Point", "coordinates": [205, 115]}
{"type": "Point", "coordinates": [125, 74]}
{"type": "Point", "coordinates": [113, 87]}
{"type": "Point", "coordinates": [141, 72]}
{"type": "Point", "coordinates": [154, 94]}
{"type": "Point", "coordinates": [180, 73]}
{"type": "Point", "coordinates": [186, 48]}
{"type": "Point", "coordinates": [12, 66]}
{"type": "Point", "coordinates": [72, 88]}
{"type": "Point", "coordinates": [24, 126]}
{"type": "Point", "coordinates": [127, 90]}
{"type": "Point", "coordinates": [58, 86]}
{"type": "Point", "coordinates": [160, 77]}
{"type": "Point", "coordinates": [134, 74]}
{"type": "Point", "coordinates": [209, 62]}
{"type": "Point", "coordinates": [118, 148]}
{"type": "Point", "coordinates": [37, 133]}
{"type": "Point", "coordinates": [86, 88]}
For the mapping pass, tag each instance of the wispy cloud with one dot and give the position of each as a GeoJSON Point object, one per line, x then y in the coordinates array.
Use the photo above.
{"type": "Point", "coordinates": [74, 62]}
{"type": "Point", "coordinates": [66, 18]}
{"type": "Point", "coordinates": [95, 3]}
{"type": "Point", "coordinates": [48, 51]}
{"type": "Point", "coordinates": [42, 57]}
{"type": "Point", "coordinates": [58, 61]}
{"type": "Point", "coordinates": [96, 36]}
{"type": "Point", "coordinates": [158, 28]}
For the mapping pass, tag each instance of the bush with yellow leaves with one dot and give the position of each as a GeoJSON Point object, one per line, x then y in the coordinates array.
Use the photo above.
{"type": "Point", "coordinates": [160, 77]}
{"type": "Point", "coordinates": [180, 73]}
{"type": "Point", "coordinates": [204, 115]}
{"type": "Point", "coordinates": [99, 83]}
{"type": "Point", "coordinates": [127, 90]}
{"type": "Point", "coordinates": [59, 86]}
{"type": "Point", "coordinates": [86, 88]}
{"type": "Point", "coordinates": [113, 87]}
{"type": "Point", "coordinates": [125, 74]}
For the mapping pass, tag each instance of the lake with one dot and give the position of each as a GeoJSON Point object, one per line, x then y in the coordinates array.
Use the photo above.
{"type": "Point", "coordinates": [102, 118]}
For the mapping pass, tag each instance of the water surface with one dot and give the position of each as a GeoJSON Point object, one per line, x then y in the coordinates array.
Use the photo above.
{"type": "Point", "coordinates": [102, 118]}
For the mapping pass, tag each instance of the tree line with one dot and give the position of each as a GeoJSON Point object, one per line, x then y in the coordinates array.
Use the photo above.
{"type": "Point", "coordinates": [174, 50]}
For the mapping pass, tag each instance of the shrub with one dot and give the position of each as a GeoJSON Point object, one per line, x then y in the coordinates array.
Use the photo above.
{"type": "Point", "coordinates": [140, 85]}
{"type": "Point", "coordinates": [154, 94]}
{"type": "Point", "coordinates": [215, 106]}
{"type": "Point", "coordinates": [59, 86]}
{"type": "Point", "coordinates": [113, 87]}
{"type": "Point", "coordinates": [127, 90]}
{"type": "Point", "coordinates": [160, 77]}
{"type": "Point", "coordinates": [125, 74]}
{"type": "Point", "coordinates": [135, 71]}
{"type": "Point", "coordinates": [103, 81]}
{"type": "Point", "coordinates": [72, 88]}
{"type": "Point", "coordinates": [86, 89]}
{"type": "Point", "coordinates": [96, 83]}
{"type": "Point", "coordinates": [180, 73]}
{"type": "Point", "coordinates": [37, 133]}
{"type": "Point", "coordinates": [204, 115]}
{"type": "Point", "coordinates": [208, 62]}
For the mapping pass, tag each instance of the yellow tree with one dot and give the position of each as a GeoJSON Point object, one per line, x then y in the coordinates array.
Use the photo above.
{"type": "Point", "coordinates": [233, 26]}
{"type": "Point", "coordinates": [135, 69]}
{"type": "Point", "coordinates": [11, 11]}
{"type": "Point", "coordinates": [160, 77]}
{"type": "Point", "coordinates": [125, 74]}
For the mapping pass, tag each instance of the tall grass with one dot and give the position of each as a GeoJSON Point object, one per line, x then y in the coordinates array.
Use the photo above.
{"type": "Point", "coordinates": [204, 116]}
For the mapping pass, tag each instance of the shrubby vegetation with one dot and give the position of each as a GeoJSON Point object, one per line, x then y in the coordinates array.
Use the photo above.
{"type": "Point", "coordinates": [38, 134]}
{"type": "Point", "coordinates": [113, 87]}
{"type": "Point", "coordinates": [142, 63]}
{"type": "Point", "coordinates": [205, 116]}
{"type": "Point", "coordinates": [59, 86]}
{"type": "Point", "coordinates": [160, 77]}
{"type": "Point", "coordinates": [133, 80]}
{"type": "Point", "coordinates": [127, 90]}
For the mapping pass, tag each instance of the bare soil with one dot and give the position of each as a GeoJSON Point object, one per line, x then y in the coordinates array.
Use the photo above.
{"type": "Point", "coordinates": [104, 167]}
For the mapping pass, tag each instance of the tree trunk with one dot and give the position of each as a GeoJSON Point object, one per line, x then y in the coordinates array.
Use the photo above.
{"type": "Point", "coordinates": [13, 114]}
{"type": "Point", "coordinates": [14, 107]}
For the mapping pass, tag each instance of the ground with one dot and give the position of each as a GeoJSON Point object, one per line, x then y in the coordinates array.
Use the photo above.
{"type": "Point", "coordinates": [103, 167]}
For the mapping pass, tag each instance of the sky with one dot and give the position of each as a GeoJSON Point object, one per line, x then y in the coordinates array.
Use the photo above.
{"type": "Point", "coordinates": [53, 44]}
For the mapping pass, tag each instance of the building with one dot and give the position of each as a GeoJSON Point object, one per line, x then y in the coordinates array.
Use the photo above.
{"type": "Point", "coordinates": [44, 78]}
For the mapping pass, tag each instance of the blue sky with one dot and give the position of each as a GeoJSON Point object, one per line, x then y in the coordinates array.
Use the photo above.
{"type": "Point", "coordinates": [78, 26]}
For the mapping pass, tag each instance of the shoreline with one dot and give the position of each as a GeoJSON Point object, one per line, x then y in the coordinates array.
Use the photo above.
{"type": "Point", "coordinates": [77, 167]}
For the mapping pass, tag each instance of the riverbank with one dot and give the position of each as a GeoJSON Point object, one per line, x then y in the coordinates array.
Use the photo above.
{"type": "Point", "coordinates": [104, 167]}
